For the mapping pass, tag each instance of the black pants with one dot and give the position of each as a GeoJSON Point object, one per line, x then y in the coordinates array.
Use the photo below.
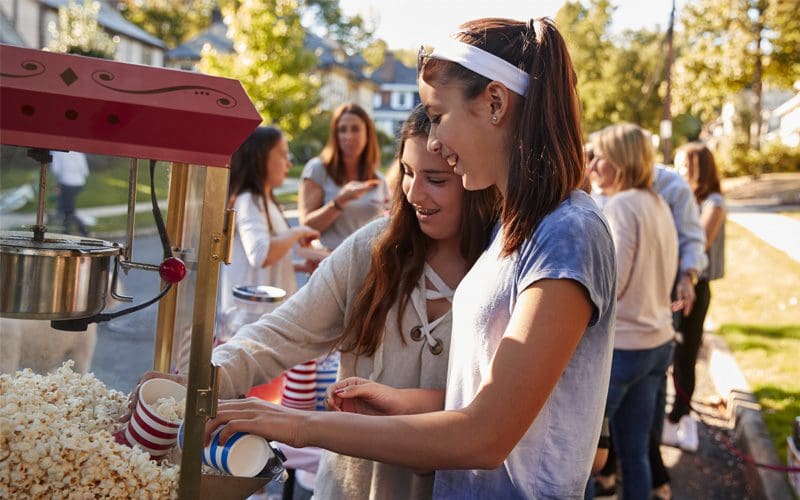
{"type": "Point", "coordinates": [683, 373]}
{"type": "Point", "coordinates": [66, 208]}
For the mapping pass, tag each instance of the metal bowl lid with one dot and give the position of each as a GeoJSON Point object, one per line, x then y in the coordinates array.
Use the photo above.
{"type": "Point", "coordinates": [259, 293]}
{"type": "Point", "coordinates": [22, 242]}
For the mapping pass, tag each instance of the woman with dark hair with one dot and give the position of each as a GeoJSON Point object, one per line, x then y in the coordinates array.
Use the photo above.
{"type": "Point", "coordinates": [263, 240]}
{"type": "Point", "coordinates": [530, 353]}
{"type": "Point", "coordinates": [382, 298]}
{"type": "Point", "coordinates": [341, 190]}
{"type": "Point", "coordinates": [696, 163]}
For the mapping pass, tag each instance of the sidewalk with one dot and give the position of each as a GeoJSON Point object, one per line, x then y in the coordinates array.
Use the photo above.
{"type": "Point", "coordinates": [779, 231]}
{"type": "Point", "coordinates": [15, 220]}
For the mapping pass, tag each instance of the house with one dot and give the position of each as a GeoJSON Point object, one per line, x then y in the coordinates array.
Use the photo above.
{"type": "Point", "coordinates": [784, 121]}
{"type": "Point", "coordinates": [29, 21]}
{"type": "Point", "coordinates": [397, 96]}
{"type": "Point", "coordinates": [342, 75]}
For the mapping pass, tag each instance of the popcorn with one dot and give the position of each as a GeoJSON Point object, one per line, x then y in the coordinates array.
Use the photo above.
{"type": "Point", "coordinates": [169, 409]}
{"type": "Point", "coordinates": [56, 441]}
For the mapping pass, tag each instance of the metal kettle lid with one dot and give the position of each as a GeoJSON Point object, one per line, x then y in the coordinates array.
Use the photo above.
{"type": "Point", "coordinates": [259, 293]}
{"type": "Point", "coordinates": [22, 242]}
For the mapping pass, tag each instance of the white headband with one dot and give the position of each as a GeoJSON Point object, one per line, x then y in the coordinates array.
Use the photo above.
{"type": "Point", "coordinates": [482, 62]}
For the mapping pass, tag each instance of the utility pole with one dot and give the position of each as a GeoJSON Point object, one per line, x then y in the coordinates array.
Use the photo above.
{"type": "Point", "coordinates": [666, 118]}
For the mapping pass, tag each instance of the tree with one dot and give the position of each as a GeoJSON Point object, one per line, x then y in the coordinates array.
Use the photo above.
{"type": "Point", "coordinates": [733, 45]}
{"type": "Point", "coordinates": [270, 61]}
{"type": "Point", "coordinates": [618, 79]}
{"type": "Point", "coordinates": [352, 32]}
{"type": "Point", "coordinates": [78, 32]}
{"type": "Point", "coordinates": [173, 21]}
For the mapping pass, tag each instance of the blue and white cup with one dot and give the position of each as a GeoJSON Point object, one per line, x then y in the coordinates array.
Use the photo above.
{"type": "Point", "coordinates": [243, 455]}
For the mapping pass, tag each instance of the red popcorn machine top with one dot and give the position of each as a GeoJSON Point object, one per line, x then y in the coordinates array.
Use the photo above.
{"type": "Point", "coordinates": [51, 101]}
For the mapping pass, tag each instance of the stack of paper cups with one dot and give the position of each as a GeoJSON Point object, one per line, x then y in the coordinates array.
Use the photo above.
{"type": "Point", "coordinates": [327, 370]}
{"type": "Point", "coordinates": [300, 387]}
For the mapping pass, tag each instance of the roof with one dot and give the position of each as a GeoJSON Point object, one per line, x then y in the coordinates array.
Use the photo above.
{"type": "Point", "coordinates": [8, 34]}
{"type": "Point", "coordinates": [328, 52]}
{"type": "Point", "coordinates": [113, 21]}
{"type": "Point", "coordinates": [394, 71]}
{"type": "Point", "coordinates": [214, 35]}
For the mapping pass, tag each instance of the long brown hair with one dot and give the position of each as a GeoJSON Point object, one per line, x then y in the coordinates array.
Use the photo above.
{"type": "Point", "coordinates": [331, 154]}
{"type": "Point", "coordinates": [701, 169]}
{"type": "Point", "coordinates": [249, 171]}
{"type": "Point", "coordinates": [546, 154]}
{"type": "Point", "coordinates": [398, 255]}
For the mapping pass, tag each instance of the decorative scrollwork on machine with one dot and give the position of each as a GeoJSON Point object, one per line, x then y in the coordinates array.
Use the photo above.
{"type": "Point", "coordinates": [102, 77]}
{"type": "Point", "coordinates": [32, 67]}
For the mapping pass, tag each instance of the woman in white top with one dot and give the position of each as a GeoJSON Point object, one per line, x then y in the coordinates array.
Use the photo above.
{"type": "Point", "coordinates": [342, 190]}
{"type": "Point", "coordinates": [646, 244]}
{"type": "Point", "coordinates": [263, 241]}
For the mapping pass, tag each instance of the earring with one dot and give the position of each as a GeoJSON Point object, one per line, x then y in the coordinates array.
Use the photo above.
{"type": "Point", "coordinates": [494, 118]}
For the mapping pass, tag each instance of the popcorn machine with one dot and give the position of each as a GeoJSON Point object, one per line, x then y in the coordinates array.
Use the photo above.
{"type": "Point", "coordinates": [52, 101]}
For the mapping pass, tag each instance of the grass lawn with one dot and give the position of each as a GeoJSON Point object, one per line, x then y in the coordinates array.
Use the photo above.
{"type": "Point", "coordinates": [107, 184]}
{"type": "Point", "coordinates": [756, 308]}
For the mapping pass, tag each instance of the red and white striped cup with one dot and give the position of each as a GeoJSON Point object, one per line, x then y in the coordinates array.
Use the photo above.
{"type": "Point", "coordinates": [300, 386]}
{"type": "Point", "coordinates": [146, 429]}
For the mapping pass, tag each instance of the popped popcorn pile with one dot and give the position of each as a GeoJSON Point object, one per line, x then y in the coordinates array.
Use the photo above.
{"type": "Point", "coordinates": [56, 441]}
{"type": "Point", "coordinates": [169, 409]}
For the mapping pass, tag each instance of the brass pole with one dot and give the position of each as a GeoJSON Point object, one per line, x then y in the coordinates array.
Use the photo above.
{"type": "Point", "coordinates": [168, 305]}
{"type": "Point", "coordinates": [201, 391]}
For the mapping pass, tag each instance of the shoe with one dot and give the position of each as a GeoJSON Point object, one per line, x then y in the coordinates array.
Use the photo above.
{"type": "Point", "coordinates": [687, 434]}
{"type": "Point", "coordinates": [663, 492]}
{"type": "Point", "coordinates": [669, 435]}
{"type": "Point", "coordinates": [602, 490]}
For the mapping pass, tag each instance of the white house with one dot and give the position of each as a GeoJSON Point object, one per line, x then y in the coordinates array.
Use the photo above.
{"type": "Point", "coordinates": [397, 96]}
{"type": "Point", "coordinates": [784, 121]}
{"type": "Point", "coordinates": [29, 20]}
{"type": "Point", "coordinates": [341, 75]}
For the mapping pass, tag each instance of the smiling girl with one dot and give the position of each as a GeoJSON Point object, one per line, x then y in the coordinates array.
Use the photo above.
{"type": "Point", "coordinates": [383, 299]}
{"type": "Point", "coordinates": [530, 352]}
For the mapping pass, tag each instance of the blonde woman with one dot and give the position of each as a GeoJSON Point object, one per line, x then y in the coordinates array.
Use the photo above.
{"type": "Point", "coordinates": [646, 246]}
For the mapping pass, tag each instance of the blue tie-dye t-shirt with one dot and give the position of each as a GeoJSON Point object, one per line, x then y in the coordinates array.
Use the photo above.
{"type": "Point", "coordinates": [553, 458]}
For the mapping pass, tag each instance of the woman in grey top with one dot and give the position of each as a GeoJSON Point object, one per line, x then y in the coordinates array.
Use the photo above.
{"type": "Point", "coordinates": [341, 189]}
{"type": "Point", "coordinates": [696, 163]}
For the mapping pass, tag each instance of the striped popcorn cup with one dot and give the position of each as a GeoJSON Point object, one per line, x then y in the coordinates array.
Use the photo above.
{"type": "Point", "coordinates": [146, 429]}
{"type": "Point", "coordinates": [327, 371]}
{"type": "Point", "coordinates": [300, 386]}
{"type": "Point", "coordinates": [243, 455]}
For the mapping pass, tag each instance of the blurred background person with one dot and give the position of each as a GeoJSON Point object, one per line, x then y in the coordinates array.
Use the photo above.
{"type": "Point", "coordinates": [675, 191]}
{"type": "Point", "coordinates": [646, 245]}
{"type": "Point", "coordinates": [341, 189]}
{"type": "Point", "coordinates": [263, 240]}
{"type": "Point", "coordinates": [71, 170]}
{"type": "Point", "coordinates": [696, 163]}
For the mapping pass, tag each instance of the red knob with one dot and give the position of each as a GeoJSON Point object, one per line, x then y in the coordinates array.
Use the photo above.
{"type": "Point", "coordinates": [172, 270]}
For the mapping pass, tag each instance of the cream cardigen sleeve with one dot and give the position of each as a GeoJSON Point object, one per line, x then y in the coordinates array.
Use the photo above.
{"type": "Point", "coordinates": [302, 328]}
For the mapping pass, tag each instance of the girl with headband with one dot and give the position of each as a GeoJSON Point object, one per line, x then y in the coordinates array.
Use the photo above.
{"type": "Point", "coordinates": [531, 346]}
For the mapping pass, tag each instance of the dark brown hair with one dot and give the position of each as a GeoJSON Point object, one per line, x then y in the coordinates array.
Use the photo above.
{"type": "Point", "coordinates": [398, 255]}
{"type": "Point", "coordinates": [546, 154]}
{"type": "Point", "coordinates": [249, 167]}
{"type": "Point", "coordinates": [331, 154]}
{"type": "Point", "coordinates": [701, 170]}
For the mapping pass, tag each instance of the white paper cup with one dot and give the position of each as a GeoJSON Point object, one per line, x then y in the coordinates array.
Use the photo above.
{"type": "Point", "coordinates": [146, 429]}
{"type": "Point", "coordinates": [243, 455]}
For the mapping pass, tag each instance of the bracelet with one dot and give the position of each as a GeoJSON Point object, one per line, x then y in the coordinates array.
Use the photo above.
{"type": "Point", "coordinates": [337, 206]}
